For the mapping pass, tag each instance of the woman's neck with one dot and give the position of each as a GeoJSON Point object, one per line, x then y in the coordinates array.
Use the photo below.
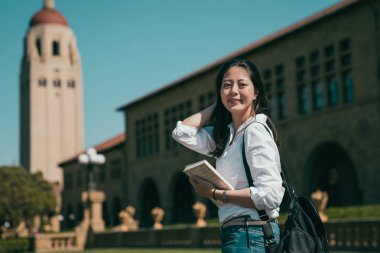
{"type": "Point", "coordinates": [239, 119]}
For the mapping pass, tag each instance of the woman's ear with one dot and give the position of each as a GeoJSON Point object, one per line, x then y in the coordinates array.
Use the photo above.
{"type": "Point", "coordinates": [255, 95]}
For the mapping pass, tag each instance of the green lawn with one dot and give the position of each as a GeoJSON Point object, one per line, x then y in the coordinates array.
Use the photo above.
{"type": "Point", "coordinates": [140, 250]}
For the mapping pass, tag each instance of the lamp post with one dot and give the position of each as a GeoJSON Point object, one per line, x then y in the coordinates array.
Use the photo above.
{"type": "Point", "coordinates": [91, 159]}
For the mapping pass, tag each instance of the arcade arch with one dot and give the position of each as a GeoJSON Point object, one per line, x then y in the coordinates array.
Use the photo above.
{"type": "Point", "coordinates": [183, 199]}
{"type": "Point", "coordinates": [331, 169]}
{"type": "Point", "coordinates": [149, 199]}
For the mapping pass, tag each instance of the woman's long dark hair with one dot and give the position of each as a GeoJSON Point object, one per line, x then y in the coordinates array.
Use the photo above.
{"type": "Point", "coordinates": [222, 117]}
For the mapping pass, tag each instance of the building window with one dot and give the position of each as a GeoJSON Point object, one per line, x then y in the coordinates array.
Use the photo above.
{"type": "Point", "coordinates": [315, 71]}
{"type": "Point", "coordinates": [275, 89]}
{"type": "Point", "coordinates": [345, 60]}
{"type": "Point", "coordinates": [171, 116]}
{"type": "Point", "coordinates": [272, 106]}
{"type": "Point", "coordinates": [147, 138]}
{"type": "Point", "coordinates": [71, 54]}
{"type": "Point", "coordinates": [55, 48]}
{"type": "Point", "coordinates": [348, 87]}
{"type": "Point", "coordinates": [345, 45]}
{"type": "Point", "coordinates": [332, 91]}
{"type": "Point", "coordinates": [281, 105]}
{"type": "Point", "coordinates": [330, 66]}
{"type": "Point", "coordinates": [39, 46]}
{"type": "Point", "coordinates": [206, 100]}
{"type": "Point", "coordinates": [268, 87]}
{"type": "Point", "coordinates": [267, 74]}
{"type": "Point", "coordinates": [300, 62]}
{"type": "Point", "coordinates": [116, 169]}
{"type": "Point", "coordinates": [57, 83]}
{"type": "Point", "coordinates": [301, 76]}
{"type": "Point", "coordinates": [279, 70]}
{"type": "Point", "coordinates": [329, 51]}
{"type": "Point", "coordinates": [303, 102]}
{"type": "Point", "coordinates": [71, 83]}
{"type": "Point", "coordinates": [42, 82]}
{"type": "Point", "coordinates": [314, 57]}
{"type": "Point", "coordinates": [318, 98]}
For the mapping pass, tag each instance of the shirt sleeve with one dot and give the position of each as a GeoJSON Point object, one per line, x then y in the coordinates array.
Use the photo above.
{"type": "Point", "coordinates": [198, 140]}
{"type": "Point", "coordinates": [264, 163]}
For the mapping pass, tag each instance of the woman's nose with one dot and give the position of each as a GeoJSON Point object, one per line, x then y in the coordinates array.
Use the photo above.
{"type": "Point", "coordinates": [234, 88]}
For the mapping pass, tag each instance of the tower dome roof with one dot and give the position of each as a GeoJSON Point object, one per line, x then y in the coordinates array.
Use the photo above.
{"type": "Point", "coordinates": [48, 16]}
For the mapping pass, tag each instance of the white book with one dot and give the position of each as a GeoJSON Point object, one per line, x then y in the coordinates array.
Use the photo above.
{"type": "Point", "coordinates": [206, 171]}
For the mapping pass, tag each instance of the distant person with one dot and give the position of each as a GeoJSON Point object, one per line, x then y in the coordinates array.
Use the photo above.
{"type": "Point", "coordinates": [241, 109]}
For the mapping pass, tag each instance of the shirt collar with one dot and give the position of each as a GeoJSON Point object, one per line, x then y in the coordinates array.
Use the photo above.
{"type": "Point", "coordinates": [261, 117]}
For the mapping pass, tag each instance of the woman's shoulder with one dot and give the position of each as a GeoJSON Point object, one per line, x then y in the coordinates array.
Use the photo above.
{"type": "Point", "coordinates": [258, 125]}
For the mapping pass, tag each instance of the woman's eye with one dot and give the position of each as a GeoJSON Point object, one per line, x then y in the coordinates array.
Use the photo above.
{"type": "Point", "coordinates": [242, 84]}
{"type": "Point", "coordinates": [227, 85]}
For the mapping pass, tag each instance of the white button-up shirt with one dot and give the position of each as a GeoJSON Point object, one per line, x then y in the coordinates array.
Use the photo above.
{"type": "Point", "coordinates": [262, 156]}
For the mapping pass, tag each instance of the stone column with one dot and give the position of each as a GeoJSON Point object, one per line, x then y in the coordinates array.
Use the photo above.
{"type": "Point", "coordinates": [94, 215]}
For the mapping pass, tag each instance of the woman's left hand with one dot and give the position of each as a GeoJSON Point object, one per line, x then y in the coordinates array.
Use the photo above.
{"type": "Point", "coordinates": [202, 187]}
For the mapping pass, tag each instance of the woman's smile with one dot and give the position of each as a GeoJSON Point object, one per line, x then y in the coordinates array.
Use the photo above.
{"type": "Point", "coordinates": [234, 101]}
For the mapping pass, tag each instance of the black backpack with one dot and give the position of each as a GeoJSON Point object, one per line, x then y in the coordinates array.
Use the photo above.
{"type": "Point", "coordinates": [303, 231]}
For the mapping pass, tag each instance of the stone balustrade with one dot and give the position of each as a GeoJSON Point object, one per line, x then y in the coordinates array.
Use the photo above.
{"type": "Point", "coordinates": [343, 235]}
{"type": "Point", "coordinates": [68, 241]}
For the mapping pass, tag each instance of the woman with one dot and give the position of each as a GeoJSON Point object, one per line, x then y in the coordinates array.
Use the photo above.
{"type": "Point", "coordinates": [241, 111]}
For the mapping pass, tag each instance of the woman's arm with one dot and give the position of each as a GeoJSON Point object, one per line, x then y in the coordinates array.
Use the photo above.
{"type": "Point", "coordinates": [238, 197]}
{"type": "Point", "coordinates": [199, 119]}
{"type": "Point", "coordinates": [192, 135]}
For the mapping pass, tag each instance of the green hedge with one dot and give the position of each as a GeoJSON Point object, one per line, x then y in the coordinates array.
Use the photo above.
{"type": "Point", "coordinates": [354, 212]}
{"type": "Point", "coordinates": [16, 245]}
{"type": "Point", "coordinates": [349, 212]}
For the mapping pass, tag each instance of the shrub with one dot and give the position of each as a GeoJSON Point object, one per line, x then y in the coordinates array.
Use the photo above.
{"type": "Point", "coordinates": [16, 245]}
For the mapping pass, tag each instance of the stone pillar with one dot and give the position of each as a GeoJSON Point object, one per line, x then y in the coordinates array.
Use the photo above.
{"type": "Point", "coordinates": [93, 215]}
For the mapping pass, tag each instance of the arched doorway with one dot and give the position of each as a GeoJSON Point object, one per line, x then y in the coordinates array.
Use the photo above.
{"type": "Point", "coordinates": [333, 171]}
{"type": "Point", "coordinates": [149, 199]}
{"type": "Point", "coordinates": [183, 199]}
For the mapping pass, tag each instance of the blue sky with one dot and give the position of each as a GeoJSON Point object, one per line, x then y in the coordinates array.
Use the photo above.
{"type": "Point", "coordinates": [132, 47]}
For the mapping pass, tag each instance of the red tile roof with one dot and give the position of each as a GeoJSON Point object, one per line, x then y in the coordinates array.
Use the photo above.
{"type": "Point", "coordinates": [100, 148]}
{"type": "Point", "coordinates": [255, 45]}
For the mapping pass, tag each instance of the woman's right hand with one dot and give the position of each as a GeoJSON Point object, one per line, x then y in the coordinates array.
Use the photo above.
{"type": "Point", "coordinates": [199, 119]}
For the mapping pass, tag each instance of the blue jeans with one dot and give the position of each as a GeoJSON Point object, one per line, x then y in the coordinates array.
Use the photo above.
{"type": "Point", "coordinates": [241, 239]}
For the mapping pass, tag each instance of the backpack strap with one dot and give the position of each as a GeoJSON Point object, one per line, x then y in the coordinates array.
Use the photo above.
{"type": "Point", "coordinates": [285, 184]}
{"type": "Point", "coordinates": [267, 228]}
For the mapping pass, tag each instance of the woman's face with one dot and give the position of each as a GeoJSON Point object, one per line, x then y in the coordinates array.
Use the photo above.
{"type": "Point", "coordinates": [237, 91]}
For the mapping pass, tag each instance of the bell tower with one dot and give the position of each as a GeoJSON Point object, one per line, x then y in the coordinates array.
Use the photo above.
{"type": "Point", "coordinates": [51, 99]}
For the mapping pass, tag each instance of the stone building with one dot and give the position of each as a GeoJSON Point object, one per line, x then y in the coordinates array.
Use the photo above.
{"type": "Point", "coordinates": [322, 77]}
{"type": "Point", "coordinates": [51, 100]}
{"type": "Point", "coordinates": [108, 178]}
